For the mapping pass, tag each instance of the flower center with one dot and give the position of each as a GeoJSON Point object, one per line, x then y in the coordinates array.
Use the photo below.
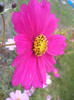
{"type": "Point", "coordinates": [40, 45]}
{"type": "Point", "coordinates": [55, 72]}
{"type": "Point", "coordinates": [18, 99]}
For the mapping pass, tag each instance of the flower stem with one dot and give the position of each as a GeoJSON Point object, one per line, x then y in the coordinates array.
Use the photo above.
{"type": "Point", "coordinates": [7, 45]}
{"type": "Point", "coordinates": [3, 29]}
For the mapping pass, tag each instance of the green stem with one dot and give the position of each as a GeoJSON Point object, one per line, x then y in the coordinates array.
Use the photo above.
{"type": "Point", "coordinates": [3, 29]}
{"type": "Point", "coordinates": [7, 45]}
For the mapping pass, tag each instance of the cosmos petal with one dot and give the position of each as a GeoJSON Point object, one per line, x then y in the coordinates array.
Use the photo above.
{"type": "Point", "coordinates": [18, 92]}
{"type": "Point", "coordinates": [8, 98]}
{"type": "Point", "coordinates": [28, 76]}
{"type": "Point", "coordinates": [12, 95]}
{"type": "Point", "coordinates": [18, 23]}
{"type": "Point", "coordinates": [28, 23]}
{"type": "Point", "coordinates": [25, 96]}
{"type": "Point", "coordinates": [44, 2]}
{"type": "Point", "coordinates": [42, 15]}
{"type": "Point", "coordinates": [21, 22]}
{"type": "Point", "coordinates": [22, 57]}
{"type": "Point", "coordinates": [16, 80]}
{"type": "Point", "coordinates": [37, 82]}
{"type": "Point", "coordinates": [42, 69]}
{"type": "Point", "coordinates": [56, 45]}
{"type": "Point", "coordinates": [49, 62]}
{"type": "Point", "coordinates": [51, 25]}
{"type": "Point", "coordinates": [34, 12]}
{"type": "Point", "coordinates": [22, 43]}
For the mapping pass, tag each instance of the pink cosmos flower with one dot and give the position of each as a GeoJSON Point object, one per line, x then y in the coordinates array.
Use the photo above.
{"type": "Point", "coordinates": [48, 97]}
{"type": "Point", "coordinates": [18, 96]}
{"type": "Point", "coordinates": [30, 92]}
{"type": "Point", "coordinates": [36, 44]}
{"type": "Point", "coordinates": [10, 41]}
{"type": "Point", "coordinates": [55, 72]}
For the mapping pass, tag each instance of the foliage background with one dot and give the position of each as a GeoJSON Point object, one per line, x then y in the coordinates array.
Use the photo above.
{"type": "Point", "coordinates": [60, 88]}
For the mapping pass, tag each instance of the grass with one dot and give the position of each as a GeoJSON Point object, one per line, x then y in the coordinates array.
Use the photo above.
{"type": "Point", "coordinates": [63, 12]}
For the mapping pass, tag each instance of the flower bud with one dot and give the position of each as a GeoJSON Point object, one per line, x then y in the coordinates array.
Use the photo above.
{"type": "Point", "coordinates": [14, 5]}
{"type": "Point", "coordinates": [1, 6]}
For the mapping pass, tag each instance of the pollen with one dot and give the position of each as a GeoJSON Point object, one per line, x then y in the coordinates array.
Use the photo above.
{"type": "Point", "coordinates": [18, 99]}
{"type": "Point", "coordinates": [40, 45]}
{"type": "Point", "coordinates": [55, 72]}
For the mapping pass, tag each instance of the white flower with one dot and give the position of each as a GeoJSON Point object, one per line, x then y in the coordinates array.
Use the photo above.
{"type": "Point", "coordinates": [48, 97]}
{"type": "Point", "coordinates": [10, 41]}
{"type": "Point", "coordinates": [64, 2]}
{"type": "Point", "coordinates": [48, 81]}
{"type": "Point", "coordinates": [30, 92]}
{"type": "Point", "coordinates": [18, 96]}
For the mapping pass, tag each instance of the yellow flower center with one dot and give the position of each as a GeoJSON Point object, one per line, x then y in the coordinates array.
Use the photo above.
{"type": "Point", "coordinates": [18, 99]}
{"type": "Point", "coordinates": [55, 72]}
{"type": "Point", "coordinates": [40, 45]}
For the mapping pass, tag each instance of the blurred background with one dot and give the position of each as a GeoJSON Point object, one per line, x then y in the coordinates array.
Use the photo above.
{"type": "Point", "coordinates": [62, 87]}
